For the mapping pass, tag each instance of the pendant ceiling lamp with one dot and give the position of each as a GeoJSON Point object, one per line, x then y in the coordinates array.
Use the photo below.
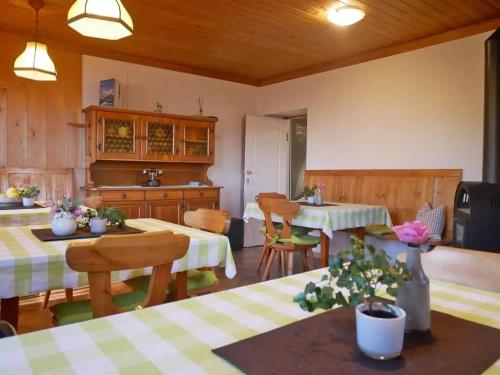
{"type": "Point", "coordinates": [35, 63]}
{"type": "Point", "coordinates": [103, 19]}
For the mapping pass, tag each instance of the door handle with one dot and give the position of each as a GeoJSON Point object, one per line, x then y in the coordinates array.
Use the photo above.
{"type": "Point", "coordinates": [249, 172]}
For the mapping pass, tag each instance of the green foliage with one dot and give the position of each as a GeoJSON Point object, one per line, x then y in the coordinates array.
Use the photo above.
{"type": "Point", "coordinates": [113, 214]}
{"type": "Point", "coordinates": [30, 192]}
{"type": "Point", "coordinates": [355, 276]}
{"type": "Point", "coordinates": [307, 192]}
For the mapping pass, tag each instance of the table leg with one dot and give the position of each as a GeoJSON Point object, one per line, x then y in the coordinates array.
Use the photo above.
{"type": "Point", "coordinates": [325, 249]}
{"type": "Point", "coordinates": [9, 310]}
{"type": "Point", "coordinates": [181, 285]}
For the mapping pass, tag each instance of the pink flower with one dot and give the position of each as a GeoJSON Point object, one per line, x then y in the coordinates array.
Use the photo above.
{"type": "Point", "coordinates": [321, 186]}
{"type": "Point", "coordinates": [414, 232]}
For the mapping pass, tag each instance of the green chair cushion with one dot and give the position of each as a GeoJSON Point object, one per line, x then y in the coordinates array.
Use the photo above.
{"type": "Point", "coordinates": [301, 240]}
{"type": "Point", "coordinates": [79, 311]}
{"type": "Point", "coordinates": [196, 280]}
{"type": "Point", "coordinates": [297, 230]}
{"type": "Point", "coordinates": [378, 230]}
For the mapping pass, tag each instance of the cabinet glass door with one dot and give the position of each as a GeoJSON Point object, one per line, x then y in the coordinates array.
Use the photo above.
{"type": "Point", "coordinates": [160, 138]}
{"type": "Point", "coordinates": [117, 136]}
{"type": "Point", "coordinates": [198, 141]}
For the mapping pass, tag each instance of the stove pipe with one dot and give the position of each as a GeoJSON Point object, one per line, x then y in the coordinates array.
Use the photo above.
{"type": "Point", "coordinates": [491, 148]}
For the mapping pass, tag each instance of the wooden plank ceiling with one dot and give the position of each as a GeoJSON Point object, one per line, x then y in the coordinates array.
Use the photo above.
{"type": "Point", "coordinates": [257, 41]}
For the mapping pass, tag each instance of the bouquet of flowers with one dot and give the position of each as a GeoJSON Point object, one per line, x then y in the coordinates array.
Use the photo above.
{"type": "Point", "coordinates": [412, 232]}
{"type": "Point", "coordinates": [67, 208]}
{"type": "Point", "coordinates": [31, 192]}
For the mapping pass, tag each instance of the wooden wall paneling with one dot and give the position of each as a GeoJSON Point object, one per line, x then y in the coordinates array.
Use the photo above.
{"type": "Point", "coordinates": [56, 140]}
{"type": "Point", "coordinates": [3, 126]}
{"type": "Point", "coordinates": [53, 183]}
{"type": "Point", "coordinates": [36, 132]}
{"type": "Point", "coordinates": [17, 129]}
{"type": "Point", "coordinates": [336, 189]}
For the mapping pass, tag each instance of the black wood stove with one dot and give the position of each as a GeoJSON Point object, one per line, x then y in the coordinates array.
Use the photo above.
{"type": "Point", "coordinates": [477, 204]}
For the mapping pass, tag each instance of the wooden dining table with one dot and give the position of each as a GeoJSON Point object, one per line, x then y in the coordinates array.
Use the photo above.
{"type": "Point", "coordinates": [178, 337]}
{"type": "Point", "coordinates": [328, 218]}
{"type": "Point", "coordinates": [28, 265]}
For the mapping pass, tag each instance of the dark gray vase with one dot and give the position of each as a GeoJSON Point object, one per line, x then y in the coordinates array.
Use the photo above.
{"type": "Point", "coordinates": [414, 295]}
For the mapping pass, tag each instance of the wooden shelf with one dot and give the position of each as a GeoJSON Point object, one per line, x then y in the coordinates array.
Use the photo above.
{"type": "Point", "coordinates": [194, 141]}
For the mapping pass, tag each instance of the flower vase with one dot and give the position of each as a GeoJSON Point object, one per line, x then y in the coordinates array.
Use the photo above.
{"type": "Point", "coordinates": [318, 197]}
{"type": "Point", "coordinates": [28, 202]}
{"type": "Point", "coordinates": [63, 226]}
{"type": "Point", "coordinates": [310, 200]}
{"type": "Point", "coordinates": [413, 295]}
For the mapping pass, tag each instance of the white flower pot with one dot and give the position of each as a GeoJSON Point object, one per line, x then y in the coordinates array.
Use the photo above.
{"type": "Point", "coordinates": [63, 226]}
{"type": "Point", "coordinates": [380, 338]}
{"type": "Point", "coordinates": [310, 200]}
{"type": "Point", "coordinates": [98, 226]}
{"type": "Point", "coordinates": [28, 202]}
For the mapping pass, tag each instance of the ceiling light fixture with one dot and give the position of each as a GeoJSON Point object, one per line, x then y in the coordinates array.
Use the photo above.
{"type": "Point", "coordinates": [103, 19]}
{"type": "Point", "coordinates": [345, 15]}
{"type": "Point", "coordinates": [35, 63]}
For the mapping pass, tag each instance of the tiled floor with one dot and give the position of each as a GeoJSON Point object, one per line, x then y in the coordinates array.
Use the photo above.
{"type": "Point", "coordinates": [34, 317]}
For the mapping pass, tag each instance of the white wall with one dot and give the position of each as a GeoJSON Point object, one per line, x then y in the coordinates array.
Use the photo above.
{"type": "Point", "coordinates": [421, 109]}
{"type": "Point", "coordinates": [179, 93]}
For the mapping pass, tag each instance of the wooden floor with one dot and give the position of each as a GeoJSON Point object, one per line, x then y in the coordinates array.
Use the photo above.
{"type": "Point", "coordinates": [34, 317]}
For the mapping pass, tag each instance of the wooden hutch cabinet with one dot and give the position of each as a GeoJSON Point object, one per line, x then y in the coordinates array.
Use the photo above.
{"type": "Point", "coordinates": [120, 144]}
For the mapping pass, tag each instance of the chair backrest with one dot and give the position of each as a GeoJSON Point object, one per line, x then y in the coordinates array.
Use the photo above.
{"type": "Point", "coordinates": [273, 195]}
{"type": "Point", "coordinates": [214, 221]}
{"type": "Point", "coordinates": [279, 207]}
{"type": "Point", "coordinates": [6, 329]}
{"type": "Point", "coordinates": [120, 252]}
{"type": "Point", "coordinates": [94, 202]}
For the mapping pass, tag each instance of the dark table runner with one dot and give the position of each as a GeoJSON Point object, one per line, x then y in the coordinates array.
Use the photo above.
{"type": "Point", "coordinates": [47, 235]}
{"type": "Point", "coordinates": [326, 344]}
{"type": "Point", "coordinates": [17, 206]}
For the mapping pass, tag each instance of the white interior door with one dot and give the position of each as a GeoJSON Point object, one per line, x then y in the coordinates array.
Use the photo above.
{"type": "Point", "coordinates": [266, 165]}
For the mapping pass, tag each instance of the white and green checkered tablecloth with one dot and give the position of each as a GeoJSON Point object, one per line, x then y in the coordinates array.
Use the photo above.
{"type": "Point", "coordinates": [28, 216]}
{"type": "Point", "coordinates": [28, 265]}
{"type": "Point", "coordinates": [177, 338]}
{"type": "Point", "coordinates": [331, 218]}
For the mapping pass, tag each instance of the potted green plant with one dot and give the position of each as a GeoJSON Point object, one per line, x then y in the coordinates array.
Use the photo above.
{"type": "Point", "coordinates": [64, 216]}
{"type": "Point", "coordinates": [356, 278]}
{"type": "Point", "coordinates": [308, 193]}
{"type": "Point", "coordinates": [98, 220]}
{"type": "Point", "coordinates": [29, 195]}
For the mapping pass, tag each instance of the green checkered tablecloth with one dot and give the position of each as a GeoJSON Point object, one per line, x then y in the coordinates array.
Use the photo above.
{"type": "Point", "coordinates": [28, 265]}
{"type": "Point", "coordinates": [28, 216]}
{"type": "Point", "coordinates": [177, 337]}
{"type": "Point", "coordinates": [331, 218]}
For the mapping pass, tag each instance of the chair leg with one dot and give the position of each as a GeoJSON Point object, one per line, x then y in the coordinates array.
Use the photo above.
{"type": "Point", "coordinates": [265, 251]}
{"type": "Point", "coordinates": [46, 298]}
{"type": "Point", "coordinates": [282, 263]}
{"type": "Point", "coordinates": [290, 263]}
{"type": "Point", "coordinates": [313, 260]}
{"type": "Point", "coordinates": [69, 294]}
{"type": "Point", "coordinates": [265, 276]}
{"type": "Point", "coordinates": [305, 265]}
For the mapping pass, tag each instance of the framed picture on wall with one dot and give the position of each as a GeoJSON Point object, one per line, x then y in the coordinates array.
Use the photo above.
{"type": "Point", "coordinates": [110, 93]}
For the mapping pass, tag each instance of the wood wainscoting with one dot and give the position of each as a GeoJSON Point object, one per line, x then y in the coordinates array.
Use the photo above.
{"type": "Point", "coordinates": [402, 191]}
{"type": "Point", "coordinates": [53, 183]}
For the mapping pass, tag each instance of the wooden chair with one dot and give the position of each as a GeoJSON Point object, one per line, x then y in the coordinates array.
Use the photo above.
{"type": "Point", "coordinates": [283, 241]}
{"type": "Point", "coordinates": [265, 249]}
{"type": "Point", "coordinates": [94, 202]}
{"type": "Point", "coordinates": [198, 281]}
{"type": "Point", "coordinates": [115, 253]}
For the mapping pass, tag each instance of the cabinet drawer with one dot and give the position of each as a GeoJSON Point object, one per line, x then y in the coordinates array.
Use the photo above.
{"type": "Point", "coordinates": [122, 195]}
{"type": "Point", "coordinates": [163, 194]}
{"type": "Point", "coordinates": [201, 193]}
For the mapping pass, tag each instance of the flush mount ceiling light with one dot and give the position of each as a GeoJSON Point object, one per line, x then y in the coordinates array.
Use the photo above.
{"type": "Point", "coordinates": [345, 15]}
{"type": "Point", "coordinates": [35, 63]}
{"type": "Point", "coordinates": [103, 19]}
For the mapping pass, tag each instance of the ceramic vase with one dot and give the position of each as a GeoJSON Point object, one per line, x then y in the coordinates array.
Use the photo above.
{"type": "Point", "coordinates": [98, 225]}
{"type": "Point", "coordinates": [310, 200]}
{"type": "Point", "coordinates": [380, 338]}
{"type": "Point", "coordinates": [63, 226]}
{"type": "Point", "coordinates": [28, 202]}
{"type": "Point", "coordinates": [414, 295]}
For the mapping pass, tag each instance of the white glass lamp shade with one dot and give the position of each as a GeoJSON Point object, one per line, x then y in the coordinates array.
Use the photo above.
{"type": "Point", "coordinates": [35, 63]}
{"type": "Point", "coordinates": [103, 19]}
{"type": "Point", "coordinates": [345, 16]}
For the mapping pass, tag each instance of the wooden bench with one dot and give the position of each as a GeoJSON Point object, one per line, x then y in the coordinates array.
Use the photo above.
{"type": "Point", "coordinates": [402, 191]}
